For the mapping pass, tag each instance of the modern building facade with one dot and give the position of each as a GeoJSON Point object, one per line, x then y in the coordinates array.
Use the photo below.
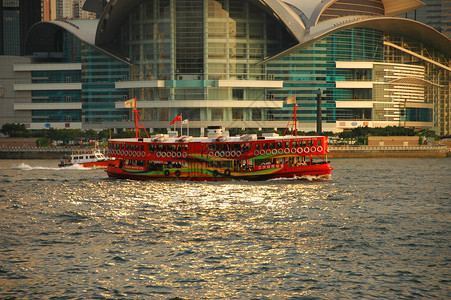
{"type": "Point", "coordinates": [233, 63]}
{"type": "Point", "coordinates": [16, 18]}
{"type": "Point", "coordinates": [435, 13]}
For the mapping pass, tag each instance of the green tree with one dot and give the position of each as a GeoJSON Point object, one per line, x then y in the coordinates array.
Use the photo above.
{"type": "Point", "coordinates": [15, 130]}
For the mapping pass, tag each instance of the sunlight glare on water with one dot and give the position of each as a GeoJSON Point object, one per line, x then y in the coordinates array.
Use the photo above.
{"type": "Point", "coordinates": [374, 229]}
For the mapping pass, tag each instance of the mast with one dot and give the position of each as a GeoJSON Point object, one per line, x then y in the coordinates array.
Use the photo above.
{"type": "Point", "coordinates": [293, 117]}
{"type": "Point", "coordinates": [137, 126]}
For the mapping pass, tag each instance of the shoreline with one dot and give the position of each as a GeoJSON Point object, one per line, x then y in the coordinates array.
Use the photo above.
{"type": "Point", "coordinates": [334, 152]}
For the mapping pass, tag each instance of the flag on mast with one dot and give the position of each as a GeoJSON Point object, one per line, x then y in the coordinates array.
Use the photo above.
{"type": "Point", "coordinates": [177, 119]}
{"type": "Point", "coordinates": [291, 100]}
{"type": "Point", "coordinates": [130, 103]}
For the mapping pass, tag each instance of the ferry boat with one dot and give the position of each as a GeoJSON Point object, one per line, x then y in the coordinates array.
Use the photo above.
{"type": "Point", "coordinates": [90, 159]}
{"type": "Point", "coordinates": [217, 156]}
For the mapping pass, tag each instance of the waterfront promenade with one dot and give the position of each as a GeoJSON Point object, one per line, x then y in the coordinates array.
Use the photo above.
{"type": "Point", "coordinates": [388, 151]}
{"type": "Point", "coordinates": [334, 151]}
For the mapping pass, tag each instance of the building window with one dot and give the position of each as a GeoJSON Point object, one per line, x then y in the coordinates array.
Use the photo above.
{"type": "Point", "coordinates": [68, 98]}
{"type": "Point", "coordinates": [68, 118]}
{"type": "Point", "coordinates": [238, 94]}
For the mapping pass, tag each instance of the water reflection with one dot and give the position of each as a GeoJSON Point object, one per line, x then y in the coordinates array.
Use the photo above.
{"type": "Point", "coordinates": [359, 234]}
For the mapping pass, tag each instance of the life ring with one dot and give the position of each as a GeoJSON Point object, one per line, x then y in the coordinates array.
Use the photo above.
{"type": "Point", "coordinates": [233, 153]}
{"type": "Point", "coordinates": [222, 154]}
{"type": "Point", "coordinates": [211, 154]}
{"type": "Point", "coordinates": [184, 154]}
{"type": "Point", "coordinates": [300, 150]}
{"type": "Point", "coordinates": [134, 153]}
{"type": "Point", "coordinates": [319, 148]}
{"type": "Point", "coordinates": [256, 152]}
{"type": "Point", "coordinates": [238, 153]}
{"type": "Point", "coordinates": [217, 153]}
{"type": "Point", "coordinates": [313, 149]}
{"type": "Point", "coordinates": [268, 151]}
{"type": "Point", "coordinates": [262, 152]}
{"type": "Point", "coordinates": [163, 154]}
{"type": "Point", "coordinates": [293, 150]}
{"type": "Point", "coordinates": [215, 173]}
{"type": "Point", "coordinates": [274, 151]}
{"type": "Point", "coordinates": [143, 153]}
{"type": "Point", "coordinates": [158, 154]}
{"type": "Point", "coordinates": [286, 150]}
{"type": "Point", "coordinates": [227, 154]}
{"type": "Point", "coordinates": [280, 151]}
{"type": "Point", "coordinates": [122, 153]}
{"type": "Point", "coordinates": [177, 173]}
{"type": "Point", "coordinates": [166, 173]}
{"type": "Point", "coordinates": [307, 150]}
{"type": "Point", "coordinates": [227, 172]}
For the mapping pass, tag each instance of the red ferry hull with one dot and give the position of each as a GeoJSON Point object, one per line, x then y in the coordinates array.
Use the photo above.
{"type": "Point", "coordinates": [317, 170]}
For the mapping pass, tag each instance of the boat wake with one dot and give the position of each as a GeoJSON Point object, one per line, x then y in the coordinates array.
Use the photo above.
{"type": "Point", "coordinates": [26, 167]}
{"type": "Point", "coordinates": [305, 178]}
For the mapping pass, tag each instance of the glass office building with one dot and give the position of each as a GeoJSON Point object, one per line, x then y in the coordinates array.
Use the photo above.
{"type": "Point", "coordinates": [234, 63]}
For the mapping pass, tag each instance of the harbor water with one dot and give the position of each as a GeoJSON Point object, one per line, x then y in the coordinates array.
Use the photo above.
{"type": "Point", "coordinates": [377, 228]}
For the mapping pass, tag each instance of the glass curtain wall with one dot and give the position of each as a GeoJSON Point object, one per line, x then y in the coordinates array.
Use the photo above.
{"type": "Point", "coordinates": [190, 44]}
{"type": "Point", "coordinates": [69, 52]}
{"type": "Point", "coordinates": [98, 76]}
{"type": "Point", "coordinates": [440, 94]}
{"type": "Point", "coordinates": [311, 68]}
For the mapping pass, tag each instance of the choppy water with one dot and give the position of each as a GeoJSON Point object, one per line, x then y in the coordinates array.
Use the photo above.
{"type": "Point", "coordinates": [375, 229]}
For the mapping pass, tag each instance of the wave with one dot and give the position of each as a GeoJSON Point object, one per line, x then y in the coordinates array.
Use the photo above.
{"type": "Point", "coordinates": [25, 167]}
{"type": "Point", "coordinates": [305, 178]}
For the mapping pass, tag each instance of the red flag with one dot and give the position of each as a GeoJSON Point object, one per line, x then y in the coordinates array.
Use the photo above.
{"type": "Point", "coordinates": [177, 119]}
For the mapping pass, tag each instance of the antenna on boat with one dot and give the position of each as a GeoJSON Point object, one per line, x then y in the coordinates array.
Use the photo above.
{"type": "Point", "coordinates": [293, 119]}
{"type": "Point", "coordinates": [137, 126]}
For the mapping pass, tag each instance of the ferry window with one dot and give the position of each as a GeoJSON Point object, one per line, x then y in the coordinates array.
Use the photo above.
{"type": "Point", "coordinates": [310, 143]}
{"type": "Point", "coordinates": [318, 142]}
{"type": "Point", "coordinates": [265, 146]}
{"type": "Point", "coordinates": [294, 144]}
{"type": "Point", "coordinates": [302, 143]}
{"type": "Point", "coordinates": [272, 146]}
{"type": "Point", "coordinates": [287, 144]}
{"type": "Point", "coordinates": [91, 156]}
{"type": "Point", "coordinates": [142, 147]}
{"type": "Point", "coordinates": [279, 145]}
{"type": "Point", "coordinates": [257, 146]}
{"type": "Point", "coordinates": [186, 147]}
{"type": "Point", "coordinates": [127, 147]}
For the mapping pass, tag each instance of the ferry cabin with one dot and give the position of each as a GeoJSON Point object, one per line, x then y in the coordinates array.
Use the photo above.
{"type": "Point", "coordinates": [219, 156]}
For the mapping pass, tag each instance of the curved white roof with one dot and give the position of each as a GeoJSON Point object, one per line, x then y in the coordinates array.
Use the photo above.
{"type": "Point", "coordinates": [299, 16]}
{"type": "Point", "coordinates": [313, 9]}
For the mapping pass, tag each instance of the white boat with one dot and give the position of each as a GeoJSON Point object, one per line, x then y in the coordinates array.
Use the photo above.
{"type": "Point", "coordinates": [90, 159]}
